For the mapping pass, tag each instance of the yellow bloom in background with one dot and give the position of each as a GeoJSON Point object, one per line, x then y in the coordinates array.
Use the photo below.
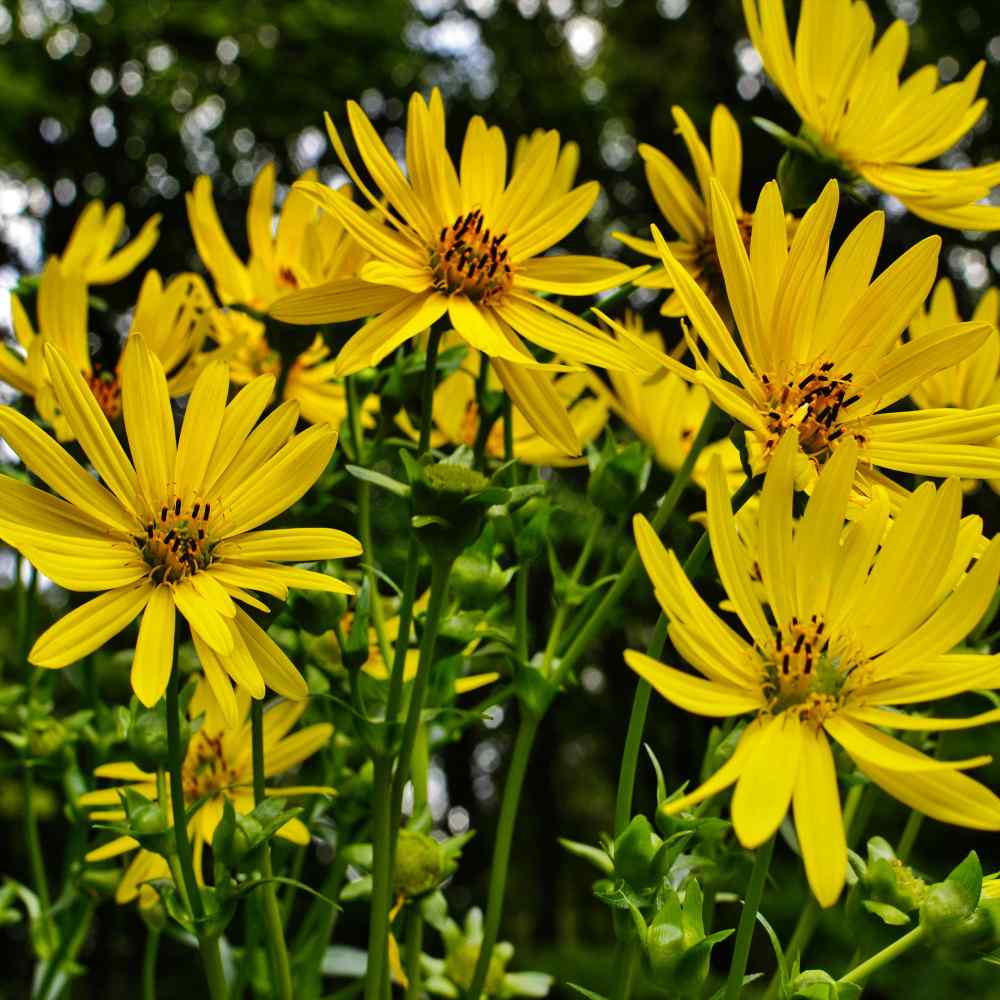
{"type": "Point", "coordinates": [819, 347]}
{"type": "Point", "coordinates": [465, 242]}
{"type": "Point", "coordinates": [854, 108]}
{"type": "Point", "coordinates": [308, 247]}
{"type": "Point", "coordinates": [665, 411]}
{"type": "Point", "coordinates": [685, 208]}
{"type": "Point", "coordinates": [857, 630]}
{"type": "Point", "coordinates": [456, 414]}
{"type": "Point", "coordinates": [173, 529]}
{"type": "Point", "coordinates": [218, 766]}
{"type": "Point", "coordinates": [171, 318]}
{"type": "Point", "coordinates": [90, 251]}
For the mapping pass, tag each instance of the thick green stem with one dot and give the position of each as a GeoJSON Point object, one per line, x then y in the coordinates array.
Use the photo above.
{"type": "Point", "coordinates": [430, 381]}
{"type": "Point", "coordinates": [485, 424]}
{"type": "Point", "coordinates": [411, 959]}
{"type": "Point", "coordinates": [208, 944]}
{"type": "Point", "coordinates": [909, 835]}
{"type": "Point", "coordinates": [440, 572]}
{"type": "Point", "coordinates": [623, 970]}
{"type": "Point", "coordinates": [149, 964]}
{"type": "Point", "coordinates": [378, 928]}
{"type": "Point", "coordinates": [526, 732]}
{"type": "Point", "coordinates": [273, 923]}
{"type": "Point", "coordinates": [888, 954]}
{"type": "Point", "coordinates": [748, 919]}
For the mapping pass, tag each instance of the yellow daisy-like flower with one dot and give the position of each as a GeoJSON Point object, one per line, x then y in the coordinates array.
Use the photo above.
{"type": "Point", "coordinates": [174, 528]}
{"type": "Point", "coordinates": [463, 242]}
{"type": "Point", "coordinates": [456, 415]}
{"type": "Point", "coordinates": [819, 347]}
{"type": "Point", "coordinates": [665, 411]}
{"type": "Point", "coordinates": [686, 209]}
{"type": "Point", "coordinates": [856, 621]}
{"type": "Point", "coordinates": [91, 253]}
{"type": "Point", "coordinates": [855, 110]}
{"type": "Point", "coordinates": [218, 766]}
{"type": "Point", "coordinates": [171, 318]}
{"type": "Point", "coordinates": [308, 247]}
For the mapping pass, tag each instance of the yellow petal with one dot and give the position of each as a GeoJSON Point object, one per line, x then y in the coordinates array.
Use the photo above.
{"type": "Point", "coordinates": [200, 431]}
{"type": "Point", "coordinates": [278, 671]}
{"type": "Point", "coordinates": [693, 694]}
{"type": "Point", "coordinates": [202, 617]}
{"type": "Point", "coordinates": [154, 648]}
{"type": "Point", "coordinates": [291, 545]}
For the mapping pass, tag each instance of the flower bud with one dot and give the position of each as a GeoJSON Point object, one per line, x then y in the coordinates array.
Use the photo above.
{"type": "Point", "coordinates": [478, 580]}
{"type": "Point", "coordinates": [635, 849]}
{"type": "Point", "coordinates": [420, 864]}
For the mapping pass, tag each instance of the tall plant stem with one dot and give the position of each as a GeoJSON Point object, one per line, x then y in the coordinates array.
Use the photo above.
{"type": "Point", "coordinates": [208, 944]}
{"type": "Point", "coordinates": [748, 919]}
{"type": "Point", "coordinates": [440, 572]}
{"type": "Point", "coordinates": [888, 954]}
{"type": "Point", "coordinates": [149, 963]}
{"type": "Point", "coordinates": [378, 927]}
{"type": "Point", "coordinates": [272, 914]}
{"type": "Point", "coordinates": [527, 730]}
{"type": "Point", "coordinates": [414, 945]}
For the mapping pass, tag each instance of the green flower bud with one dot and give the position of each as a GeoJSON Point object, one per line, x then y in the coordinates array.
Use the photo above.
{"type": "Point", "coordinates": [147, 733]}
{"type": "Point", "coordinates": [147, 819]}
{"type": "Point", "coordinates": [954, 933]}
{"type": "Point", "coordinates": [460, 966]}
{"type": "Point", "coordinates": [420, 864]}
{"type": "Point", "coordinates": [635, 849]}
{"type": "Point", "coordinates": [478, 580]}
{"type": "Point", "coordinates": [46, 736]}
{"type": "Point", "coordinates": [814, 984]}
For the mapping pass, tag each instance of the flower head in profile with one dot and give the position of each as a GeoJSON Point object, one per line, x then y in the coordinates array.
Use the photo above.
{"type": "Point", "coordinates": [465, 243]}
{"type": "Point", "coordinates": [579, 416]}
{"type": "Point", "coordinates": [819, 349]}
{"type": "Point", "coordinates": [174, 528]}
{"type": "Point", "coordinates": [853, 622]}
{"type": "Point", "coordinates": [218, 766]}
{"type": "Point", "coordinates": [856, 112]}
{"type": "Point", "coordinates": [91, 253]}
{"type": "Point", "coordinates": [686, 207]}
{"type": "Point", "coordinates": [171, 318]}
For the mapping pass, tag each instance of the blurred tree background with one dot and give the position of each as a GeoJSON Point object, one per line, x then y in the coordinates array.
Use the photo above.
{"type": "Point", "coordinates": [130, 101]}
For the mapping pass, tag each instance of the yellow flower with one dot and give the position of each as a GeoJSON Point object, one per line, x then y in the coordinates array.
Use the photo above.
{"type": "Point", "coordinates": [858, 629]}
{"type": "Point", "coordinates": [89, 250]}
{"type": "Point", "coordinates": [456, 414]}
{"type": "Point", "coordinates": [665, 411]}
{"type": "Point", "coordinates": [854, 109]}
{"type": "Point", "coordinates": [820, 347]}
{"type": "Point", "coordinates": [686, 209]}
{"type": "Point", "coordinates": [174, 526]}
{"type": "Point", "coordinates": [171, 319]}
{"type": "Point", "coordinates": [466, 243]}
{"type": "Point", "coordinates": [218, 766]}
{"type": "Point", "coordinates": [309, 247]}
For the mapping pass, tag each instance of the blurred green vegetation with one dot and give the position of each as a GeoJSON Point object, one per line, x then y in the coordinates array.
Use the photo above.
{"type": "Point", "coordinates": [130, 101]}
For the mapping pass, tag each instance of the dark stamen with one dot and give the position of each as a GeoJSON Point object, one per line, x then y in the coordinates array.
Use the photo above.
{"type": "Point", "coordinates": [195, 509]}
{"type": "Point", "coordinates": [177, 507]}
{"type": "Point", "coordinates": [208, 510]}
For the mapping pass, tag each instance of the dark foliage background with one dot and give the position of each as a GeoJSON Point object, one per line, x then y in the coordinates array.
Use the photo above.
{"type": "Point", "coordinates": [130, 101]}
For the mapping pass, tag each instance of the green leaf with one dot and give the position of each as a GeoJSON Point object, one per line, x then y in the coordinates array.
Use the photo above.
{"type": "Point", "coordinates": [783, 136]}
{"type": "Point", "coordinates": [968, 877]}
{"type": "Point", "coordinates": [378, 479]}
{"type": "Point", "coordinates": [584, 992]}
{"type": "Point", "coordinates": [887, 913]}
{"type": "Point", "coordinates": [598, 858]}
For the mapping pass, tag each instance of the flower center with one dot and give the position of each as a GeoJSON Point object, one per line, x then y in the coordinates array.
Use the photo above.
{"type": "Point", "coordinates": [205, 772]}
{"type": "Point", "coordinates": [107, 391]}
{"type": "Point", "coordinates": [812, 404]}
{"type": "Point", "coordinates": [803, 675]}
{"type": "Point", "coordinates": [176, 543]}
{"type": "Point", "coordinates": [470, 259]}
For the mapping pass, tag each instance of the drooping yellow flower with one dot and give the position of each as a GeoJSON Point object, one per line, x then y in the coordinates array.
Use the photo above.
{"type": "Point", "coordinates": [218, 766]}
{"type": "Point", "coordinates": [665, 411]}
{"type": "Point", "coordinates": [174, 528]}
{"type": "Point", "coordinates": [464, 242]}
{"type": "Point", "coordinates": [456, 414]}
{"type": "Point", "coordinates": [855, 110]}
{"type": "Point", "coordinates": [309, 247]}
{"type": "Point", "coordinates": [819, 347]}
{"type": "Point", "coordinates": [172, 320]}
{"type": "Point", "coordinates": [848, 631]}
{"type": "Point", "coordinates": [686, 209]}
{"type": "Point", "coordinates": [90, 251]}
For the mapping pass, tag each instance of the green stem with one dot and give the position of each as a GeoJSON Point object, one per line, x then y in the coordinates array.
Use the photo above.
{"type": "Point", "coordinates": [526, 732]}
{"type": "Point", "coordinates": [317, 934]}
{"type": "Point", "coordinates": [273, 924]}
{"type": "Point", "coordinates": [55, 979]}
{"type": "Point", "coordinates": [485, 423]}
{"type": "Point", "coordinates": [748, 919]}
{"type": "Point", "coordinates": [861, 972]}
{"type": "Point", "coordinates": [149, 964]}
{"type": "Point", "coordinates": [251, 935]}
{"type": "Point", "coordinates": [623, 970]}
{"type": "Point", "coordinates": [609, 300]}
{"type": "Point", "coordinates": [440, 572]}
{"type": "Point", "coordinates": [521, 628]}
{"type": "Point", "coordinates": [430, 380]}
{"type": "Point", "coordinates": [559, 622]}
{"type": "Point", "coordinates": [909, 835]}
{"type": "Point", "coordinates": [613, 598]}
{"type": "Point", "coordinates": [378, 927]}
{"type": "Point", "coordinates": [208, 944]}
{"type": "Point", "coordinates": [414, 946]}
